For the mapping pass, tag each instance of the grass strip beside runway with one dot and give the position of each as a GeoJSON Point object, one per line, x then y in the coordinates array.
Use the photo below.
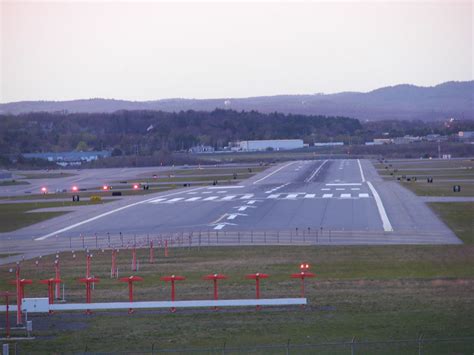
{"type": "Point", "coordinates": [370, 292]}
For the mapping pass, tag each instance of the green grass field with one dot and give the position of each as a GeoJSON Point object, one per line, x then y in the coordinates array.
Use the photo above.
{"type": "Point", "coordinates": [13, 182]}
{"type": "Point", "coordinates": [459, 216]}
{"type": "Point", "coordinates": [372, 293]}
{"type": "Point", "coordinates": [14, 216]}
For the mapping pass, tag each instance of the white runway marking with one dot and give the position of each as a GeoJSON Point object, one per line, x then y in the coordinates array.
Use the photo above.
{"type": "Point", "coordinates": [210, 198]}
{"type": "Point", "coordinates": [276, 188]}
{"type": "Point", "coordinates": [274, 196]}
{"type": "Point", "coordinates": [340, 189]}
{"type": "Point", "coordinates": [292, 196]}
{"type": "Point", "coordinates": [345, 184]}
{"type": "Point", "coordinates": [355, 189]}
{"type": "Point", "coordinates": [310, 196]}
{"type": "Point", "coordinates": [158, 200]}
{"type": "Point", "coordinates": [207, 192]}
{"type": "Point", "coordinates": [246, 197]}
{"type": "Point", "coordinates": [192, 193]}
{"type": "Point", "coordinates": [175, 199]}
{"type": "Point", "coordinates": [325, 189]}
{"type": "Point", "coordinates": [104, 215]}
{"type": "Point", "coordinates": [327, 195]}
{"type": "Point", "coordinates": [225, 187]}
{"type": "Point", "coordinates": [251, 202]}
{"type": "Point", "coordinates": [363, 195]}
{"type": "Point", "coordinates": [315, 172]}
{"type": "Point", "coordinates": [361, 171]}
{"type": "Point", "coordinates": [228, 198]}
{"type": "Point", "coordinates": [273, 172]}
{"type": "Point", "coordinates": [387, 226]}
{"type": "Point", "coordinates": [345, 195]}
{"type": "Point", "coordinates": [221, 192]}
{"type": "Point", "coordinates": [193, 199]}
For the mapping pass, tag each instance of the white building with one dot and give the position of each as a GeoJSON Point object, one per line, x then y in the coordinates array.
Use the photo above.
{"type": "Point", "coordinates": [275, 144]}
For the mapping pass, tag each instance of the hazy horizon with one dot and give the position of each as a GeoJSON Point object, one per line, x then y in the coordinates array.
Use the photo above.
{"type": "Point", "coordinates": [160, 50]}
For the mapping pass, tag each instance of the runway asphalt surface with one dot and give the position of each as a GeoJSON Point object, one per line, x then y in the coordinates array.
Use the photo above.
{"type": "Point", "coordinates": [306, 202]}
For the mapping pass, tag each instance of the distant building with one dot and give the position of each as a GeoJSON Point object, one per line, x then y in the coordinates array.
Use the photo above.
{"type": "Point", "coordinates": [406, 139]}
{"type": "Point", "coordinates": [328, 144]}
{"type": "Point", "coordinates": [69, 158]}
{"type": "Point", "coordinates": [274, 144]}
{"type": "Point", "coordinates": [201, 149]}
{"type": "Point", "coordinates": [378, 141]}
{"type": "Point", "coordinates": [466, 135]}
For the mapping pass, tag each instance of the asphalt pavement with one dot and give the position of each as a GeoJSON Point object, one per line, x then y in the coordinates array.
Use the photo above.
{"type": "Point", "coordinates": [314, 201]}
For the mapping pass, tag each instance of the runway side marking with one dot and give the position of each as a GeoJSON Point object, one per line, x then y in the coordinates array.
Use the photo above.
{"type": "Point", "coordinates": [210, 198]}
{"type": "Point", "coordinates": [315, 172]}
{"type": "Point", "coordinates": [105, 214]}
{"type": "Point", "coordinates": [346, 184]}
{"type": "Point", "coordinates": [361, 171]}
{"type": "Point", "coordinates": [327, 195]}
{"type": "Point", "coordinates": [363, 195]}
{"type": "Point", "coordinates": [273, 172]}
{"type": "Point", "coordinates": [387, 226]}
{"type": "Point", "coordinates": [309, 195]}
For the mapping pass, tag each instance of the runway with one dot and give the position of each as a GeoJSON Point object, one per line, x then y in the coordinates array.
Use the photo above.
{"type": "Point", "coordinates": [346, 197]}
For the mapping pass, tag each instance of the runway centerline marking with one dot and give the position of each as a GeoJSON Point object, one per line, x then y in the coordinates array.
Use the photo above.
{"type": "Point", "coordinates": [315, 172]}
{"type": "Point", "coordinates": [273, 172]}
{"type": "Point", "coordinates": [346, 184]}
{"type": "Point", "coordinates": [361, 171]}
{"type": "Point", "coordinates": [387, 226]}
{"type": "Point", "coordinates": [65, 229]}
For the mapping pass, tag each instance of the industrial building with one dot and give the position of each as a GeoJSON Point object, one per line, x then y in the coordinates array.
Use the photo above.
{"type": "Point", "coordinates": [272, 144]}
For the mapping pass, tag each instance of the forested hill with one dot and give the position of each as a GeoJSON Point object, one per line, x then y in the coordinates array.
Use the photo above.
{"type": "Point", "coordinates": [446, 100]}
{"type": "Point", "coordinates": [145, 132]}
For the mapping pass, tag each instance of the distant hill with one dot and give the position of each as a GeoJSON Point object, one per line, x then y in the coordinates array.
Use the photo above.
{"type": "Point", "coordinates": [450, 99]}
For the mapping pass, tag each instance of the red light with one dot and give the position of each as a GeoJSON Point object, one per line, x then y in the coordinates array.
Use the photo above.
{"type": "Point", "coordinates": [135, 186]}
{"type": "Point", "coordinates": [74, 188]}
{"type": "Point", "coordinates": [304, 266]}
{"type": "Point", "coordinates": [44, 190]}
{"type": "Point", "coordinates": [105, 187]}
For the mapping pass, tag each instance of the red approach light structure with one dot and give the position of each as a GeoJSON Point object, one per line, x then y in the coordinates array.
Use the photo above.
{"type": "Point", "coordinates": [6, 295]}
{"type": "Point", "coordinates": [51, 282]}
{"type": "Point", "coordinates": [257, 278]}
{"type": "Point", "coordinates": [166, 248]}
{"type": "Point", "coordinates": [214, 278]}
{"type": "Point", "coordinates": [302, 275]}
{"type": "Point", "coordinates": [304, 266]}
{"type": "Point", "coordinates": [172, 279]}
{"type": "Point", "coordinates": [89, 281]}
{"type": "Point", "coordinates": [130, 280]}
{"type": "Point", "coordinates": [20, 292]}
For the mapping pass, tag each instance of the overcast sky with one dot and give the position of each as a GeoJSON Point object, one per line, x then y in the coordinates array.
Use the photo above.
{"type": "Point", "coordinates": [151, 50]}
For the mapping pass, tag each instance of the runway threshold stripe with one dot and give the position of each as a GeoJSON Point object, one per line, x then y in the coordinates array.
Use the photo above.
{"type": "Point", "coordinates": [228, 198]}
{"type": "Point", "coordinates": [327, 195]}
{"type": "Point", "coordinates": [345, 195]}
{"type": "Point", "coordinates": [274, 196]}
{"type": "Point", "coordinates": [210, 198]}
{"type": "Point", "coordinates": [193, 199]}
{"type": "Point", "coordinates": [310, 196]}
{"type": "Point", "coordinates": [246, 197]}
{"type": "Point", "coordinates": [363, 195]}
